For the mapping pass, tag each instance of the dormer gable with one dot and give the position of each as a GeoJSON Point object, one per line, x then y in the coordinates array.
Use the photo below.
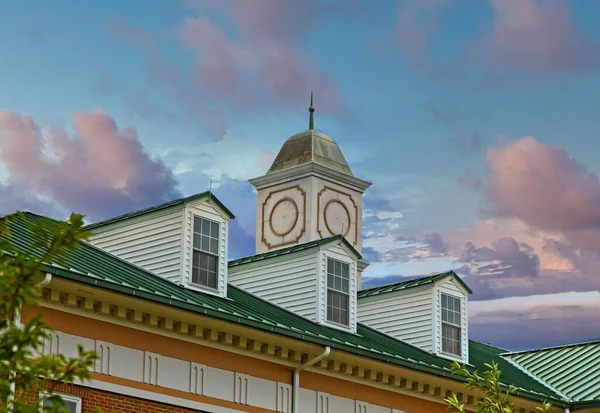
{"type": "Point", "coordinates": [429, 313]}
{"type": "Point", "coordinates": [317, 280]}
{"type": "Point", "coordinates": [184, 241]}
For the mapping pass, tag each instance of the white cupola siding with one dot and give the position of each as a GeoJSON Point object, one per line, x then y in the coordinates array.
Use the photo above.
{"type": "Point", "coordinates": [316, 280]}
{"type": "Point", "coordinates": [429, 313]}
{"type": "Point", "coordinates": [184, 241]}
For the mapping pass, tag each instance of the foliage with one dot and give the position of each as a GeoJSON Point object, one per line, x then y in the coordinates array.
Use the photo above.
{"type": "Point", "coordinates": [24, 371]}
{"type": "Point", "coordinates": [495, 399]}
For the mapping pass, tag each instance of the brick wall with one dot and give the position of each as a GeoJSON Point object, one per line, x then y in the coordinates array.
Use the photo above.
{"type": "Point", "coordinates": [113, 402]}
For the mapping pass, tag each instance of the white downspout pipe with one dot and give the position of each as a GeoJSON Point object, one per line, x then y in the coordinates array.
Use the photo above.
{"type": "Point", "coordinates": [567, 410]}
{"type": "Point", "coordinates": [17, 322]}
{"type": "Point", "coordinates": [296, 379]}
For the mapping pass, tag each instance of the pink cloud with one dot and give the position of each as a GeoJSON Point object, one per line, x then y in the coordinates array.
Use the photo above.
{"type": "Point", "coordinates": [538, 35]}
{"type": "Point", "coordinates": [121, 28]}
{"type": "Point", "coordinates": [543, 186]}
{"type": "Point", "coordinates": [417, 22]}
{"type": "Point", "coordinates": [100, 170]}
{"type": "Point", "coordinates": [266, 61]}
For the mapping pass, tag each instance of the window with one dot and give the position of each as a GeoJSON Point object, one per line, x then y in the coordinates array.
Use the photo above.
{"type": "Point", "coordinates": [451, 325]}
{"type": "Point", "coordinates": [338, 296]}
{"type": "Point", "coordinates": [206, 253]}
{"type": "Point", "coordinates": [71, 403]}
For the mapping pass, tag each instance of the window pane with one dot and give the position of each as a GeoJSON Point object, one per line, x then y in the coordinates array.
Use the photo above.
{"type": "Point", "coordinates": [343, 301]}
{"type": "Point", "coordinates": [214, 230]}
{"type": "Point", "coordinates": [195, 275]}
{"type": "Point", "coordinates": [338, 268]}
{"type": "Point", "coordinates": [343, 317]}
{"type": "Point", "coordinates": [212, 279]}
{"type": "Point", "coordinates": [345, 271]}
{"type": "Point", "coordinates": [205, 227]}
{"type": "Point", "coordinates": [338, 284]}
{"type": "Point", "coordinates": [197, 241]}
{"type": "Point", "coordinates": [197, 224]}
{"type": "Point", "coordinates": [214, 246]}
{"type": "Point", "coordinates": [203, 261]}
{"type": "Point", "coordinates": [329, 266]}
{"type": "Point", "coordinates": [330, 280]}
{"type": "Point", "coordinates": [205, 244]}
{"type": "Point", "coordinates": [444, 301]}
{"type": "Point", "coordinates": [345, 286]}
{"type": "Point", "coordinates": [336, 315]}
{"type": "Point", "coordinates": [212, 263]}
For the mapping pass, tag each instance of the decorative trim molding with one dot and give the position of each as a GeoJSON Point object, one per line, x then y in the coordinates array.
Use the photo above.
{"type": "Point", "coordinates": [309, 169]}
{"type": "Point", "coordinates": [302, 230]}
{"type": "Point", "coordinates": [255, 344]}
{"type": "Point", "coordinates": [319, 231]}
{"type": "Point", "coordinates": [273, 230]}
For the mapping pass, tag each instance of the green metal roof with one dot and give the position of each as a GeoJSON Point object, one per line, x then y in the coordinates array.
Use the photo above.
{"type": "Point", "coordinates": [92, 266]}
{"type": "Point", "coordinates": [573, 370]}
{"type": "Point", "coordinates": [405, 285]}
{"type": "Point", "coordinates": [292, 249]}
{"type": "Point", "coordinates": [181, 201]}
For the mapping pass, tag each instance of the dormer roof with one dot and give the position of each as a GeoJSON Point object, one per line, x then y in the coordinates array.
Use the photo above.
{"type": "Point", "coordinates": [180, 201]}
{"type": "Point", "coordinates": [296, 248]}
{"type": "Point", "coordinates": [417, 282]}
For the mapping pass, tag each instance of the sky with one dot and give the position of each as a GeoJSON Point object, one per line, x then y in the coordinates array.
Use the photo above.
{"type": "Point", "coordinates": [477, 123]}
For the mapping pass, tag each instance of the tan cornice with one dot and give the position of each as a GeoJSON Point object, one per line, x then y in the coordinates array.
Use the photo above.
{"type": "Point", "coordinates": [139, 314]}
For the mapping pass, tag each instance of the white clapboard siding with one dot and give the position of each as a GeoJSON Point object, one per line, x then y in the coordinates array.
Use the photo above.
{"type": "Point", "coordinates": [289, 281]}
{"type": "Point", "coordinates": [152, 241]}
{"type": "Point", "coordinates": [405, 315]}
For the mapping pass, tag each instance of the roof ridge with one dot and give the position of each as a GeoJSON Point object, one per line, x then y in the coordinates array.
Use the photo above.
{"type": "Point", "coordinates": [291, 248]}
{"type": "Point", "coordinates": [535, 350]}
{"type": "Point", "coordinates": [164, 205]}
{"type": "Point", "coordinates": [383, 286]}
{"type": "Point", "coordinates": [489, 345]}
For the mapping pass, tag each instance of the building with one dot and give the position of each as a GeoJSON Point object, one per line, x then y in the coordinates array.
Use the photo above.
{"type": "Point", "coordinates": [178, 327]}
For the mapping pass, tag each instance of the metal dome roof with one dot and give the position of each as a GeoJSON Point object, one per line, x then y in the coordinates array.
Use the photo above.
{"type": "Point", "coordinates": [310, 146]}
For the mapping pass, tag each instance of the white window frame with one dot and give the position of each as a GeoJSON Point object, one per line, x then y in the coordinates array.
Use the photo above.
{"type": "Point", "coordinates": [327, 288]}
{"type": "Point", "coordinates": [459, 326]}
{"type": "Point", "coordinates": [66, 397]}
{"type": "Point", "coordinates": [217, 255]}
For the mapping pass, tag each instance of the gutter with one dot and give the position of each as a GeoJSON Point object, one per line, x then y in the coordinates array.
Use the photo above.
{"type": "Point", "coordinates": [296, 377]}
{"type": "Point", "coordinates": [17, 322]}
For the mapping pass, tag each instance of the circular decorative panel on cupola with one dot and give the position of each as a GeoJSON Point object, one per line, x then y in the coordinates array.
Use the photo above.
{"type": "Point", "coordinates": [337, 218]}
{"type": "Point", "coordinates": [284, 217]}
{"type": "Point", "coordinates": [338, 214]}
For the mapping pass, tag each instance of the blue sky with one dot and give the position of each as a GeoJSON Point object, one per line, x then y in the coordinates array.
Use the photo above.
{"type": "Point", "coordinates": [431, 101]}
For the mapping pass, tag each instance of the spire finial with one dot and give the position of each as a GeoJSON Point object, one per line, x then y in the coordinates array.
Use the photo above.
{"type": "Point", "coordinates": [311, 109]}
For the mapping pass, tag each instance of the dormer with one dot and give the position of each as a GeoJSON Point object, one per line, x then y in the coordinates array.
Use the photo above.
{"type": "Point", "coordinates": [184, 241]}
{"type": "Point", "coordinates": [429, 313]}
{"type": "Point", "coordinates": [316, 280]}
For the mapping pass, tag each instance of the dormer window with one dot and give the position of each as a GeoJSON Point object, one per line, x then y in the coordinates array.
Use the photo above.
{"type": "Point", "coordinates": [338, 296]}
{"type": "Point", "coordinates": [451, 325]}
{"type": "Point", "coordinates": [206, 253]}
